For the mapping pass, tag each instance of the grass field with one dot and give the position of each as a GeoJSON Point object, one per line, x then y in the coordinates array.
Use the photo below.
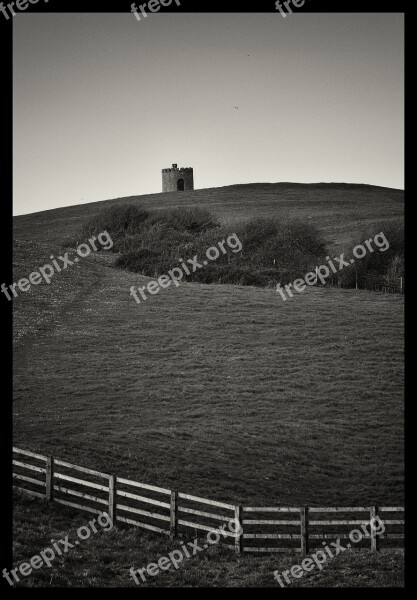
{"type": "Point", "coordinates": [220, 390]}
{"type": "Point", "coordinates": [225, 392]}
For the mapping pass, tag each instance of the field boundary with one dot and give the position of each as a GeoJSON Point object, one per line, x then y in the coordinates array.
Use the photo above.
{"type": "Point", "coordinates": [172, 513]}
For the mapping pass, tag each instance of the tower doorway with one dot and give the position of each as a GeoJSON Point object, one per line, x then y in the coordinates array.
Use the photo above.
{"type": "Point", "coordinates": [180, 185]}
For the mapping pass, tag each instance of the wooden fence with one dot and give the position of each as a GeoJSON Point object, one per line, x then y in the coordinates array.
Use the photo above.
{"type": "Point", "coordinates": [262, 529]}
{"type": "Point", "coordinates": [374, 284]}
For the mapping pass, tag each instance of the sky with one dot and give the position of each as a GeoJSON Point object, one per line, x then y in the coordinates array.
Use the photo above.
{"type": "Point", "coordinates": [103, 102]}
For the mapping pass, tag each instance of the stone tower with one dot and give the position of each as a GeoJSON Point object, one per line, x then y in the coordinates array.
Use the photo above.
{"type": "Point", "coordinates": [177, 180]}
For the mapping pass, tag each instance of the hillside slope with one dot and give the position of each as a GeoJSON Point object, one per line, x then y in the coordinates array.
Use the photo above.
{"type": "Point", "coordinates": [221, 391]}
{"type": "Point", "coordinates": [250, 393]}
{"type": "Point", "coordinates": [341, 211]}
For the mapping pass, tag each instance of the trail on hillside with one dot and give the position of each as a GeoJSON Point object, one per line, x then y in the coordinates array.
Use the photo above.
{"type": "Point", "coordinates": [44, 306]}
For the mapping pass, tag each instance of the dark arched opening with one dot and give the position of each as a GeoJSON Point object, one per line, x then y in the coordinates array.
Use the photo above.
{"type": "Point", "coordinates": [180, 185]}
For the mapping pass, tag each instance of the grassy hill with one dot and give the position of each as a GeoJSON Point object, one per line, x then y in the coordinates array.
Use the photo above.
{"type": "Point", "coordinates": [341, 211]}
{"type": "Point", "coordinates": [223, 391]}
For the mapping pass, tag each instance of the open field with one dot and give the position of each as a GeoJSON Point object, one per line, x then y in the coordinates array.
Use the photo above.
{"type": "Point", "coordinates": [225, 392]}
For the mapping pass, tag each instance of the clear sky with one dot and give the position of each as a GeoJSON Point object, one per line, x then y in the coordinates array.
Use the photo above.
{"type": "Point", "coordinates": [103, 102]}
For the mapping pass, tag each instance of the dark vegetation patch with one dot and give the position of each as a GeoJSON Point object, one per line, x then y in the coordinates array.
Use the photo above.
{"type": "Point", "coordinates": [274, 250]}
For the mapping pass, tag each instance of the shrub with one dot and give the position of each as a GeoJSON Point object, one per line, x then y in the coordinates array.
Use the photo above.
{"type": "Point", "coordinates": [376, 268]}
{"type": "Point", "coordinates": [194, 220]}
{"type": "Point", "coordinates": [152, 242]}
{"type": "Point", "coordinates": [119, 221]}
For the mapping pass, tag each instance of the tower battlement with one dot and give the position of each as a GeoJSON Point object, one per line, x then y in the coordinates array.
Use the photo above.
{"type": "Point", "coordinates": [172, 169]}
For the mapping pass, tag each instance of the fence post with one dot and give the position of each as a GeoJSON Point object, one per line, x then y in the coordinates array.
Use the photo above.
{"type": "Point", "coordinates": [374, 537]}
{"type": "Point", "coordinates": [239, 530]}
{"type": "Point", "coordinates": [304, 529]}
{"type": "Point", "coordinates": [173, 514]}
{"type": "Point", "coordinates": [112, 499]}
{"type": "Point", "coordinates": [49, 493]}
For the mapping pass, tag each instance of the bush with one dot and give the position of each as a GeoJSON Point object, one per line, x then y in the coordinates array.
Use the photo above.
{"type": "Point", "coordinates": [152, 242]}
{"type": "Point", "coordinates": [194, 220]}
{"type": "Point", "coordinates": [378, 267]}
{"type": "Point", "coordinates": [143, 261]}
{"type": "Point", "coordinates": [119, 221]}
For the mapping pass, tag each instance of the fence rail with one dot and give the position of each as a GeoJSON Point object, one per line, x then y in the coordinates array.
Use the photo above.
{"type": "Point", "coordinates": [378, 284]}
{"type": "Point", "coordinates": [157, 509]}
